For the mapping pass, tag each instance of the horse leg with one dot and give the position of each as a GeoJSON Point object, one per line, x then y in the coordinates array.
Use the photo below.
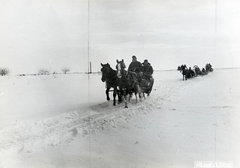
{"type": "Point", "coordinates": [126, 106]}
{"type": "Point", "coordinates": [143, 95]}
{"type": "Point", "coordinates": [107, 93]}
{"type": "Point", "coordinates": [120, 94]}
{"type": "Point", "coordinates": [139, 91]}
{"type": "Point", "coordinates": [114, 96]}
{"type": "Point", "coordinates": [186, 76]}
{"type": "Point", "coordinates": [136, 97]}
{"type": "Point", "coordinates": [143, 92]}
{"type": "Point", "coordinates": [129, 98]}
{"type": "Point", "coordinates": [119, 97]}
{"type": "Point", "coordinates": [125, 99]}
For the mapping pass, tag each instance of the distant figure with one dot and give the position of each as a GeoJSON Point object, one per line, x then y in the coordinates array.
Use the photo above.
{"type": "Point", "coordinates": [191, 72]}
{"type": "Point", "coordinates": [203, 71]}
{"type": "Point", "coordinates": [182, 67]}
{"type": "Point", "coordinates": [209, 67]}
{"type": "Point", "coordinates": [184, 71]}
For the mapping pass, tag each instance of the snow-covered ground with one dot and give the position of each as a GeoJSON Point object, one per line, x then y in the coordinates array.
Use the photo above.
{"type": "Point", "coordinates": [65, 121]}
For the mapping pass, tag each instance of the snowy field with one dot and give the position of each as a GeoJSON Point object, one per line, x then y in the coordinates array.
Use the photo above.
{"type": "Point", "coordinates": [65, 121]}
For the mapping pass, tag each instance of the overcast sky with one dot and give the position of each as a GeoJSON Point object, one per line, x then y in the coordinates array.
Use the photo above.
{"type": "Point", "coordinates": [53, 34]}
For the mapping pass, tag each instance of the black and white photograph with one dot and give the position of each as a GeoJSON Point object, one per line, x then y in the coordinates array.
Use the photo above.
{"type": "Point", "coordinates": [119, 84]}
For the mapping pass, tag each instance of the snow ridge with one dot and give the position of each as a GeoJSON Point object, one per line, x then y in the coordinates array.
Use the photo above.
{"type": "Point", "coordinates": [39, 135]}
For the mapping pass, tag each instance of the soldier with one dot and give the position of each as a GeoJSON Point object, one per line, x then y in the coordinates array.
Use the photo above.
{"type": "Point", "coordinates": [191, 72]}
{"type": "Point", "coordinates": [135, 66]}
{"type": "Point", "coordinates": [147, 73]}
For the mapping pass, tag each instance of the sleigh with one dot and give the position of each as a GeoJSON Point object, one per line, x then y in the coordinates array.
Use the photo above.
{"type": "Point", "coordinates": [146, 84]}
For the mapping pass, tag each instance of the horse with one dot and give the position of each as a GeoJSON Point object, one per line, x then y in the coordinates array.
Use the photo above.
{"type": "Point", "coordinates": [209, 67]}
{"type": "Point", "coordinates": [187, 73]}
{"type": "Point", "coordinates": [197, 70]}
{"type": "Point", "coordinates": [128, 82]}
{"type": "Point", "coordinates": [110, 77]}
{"type": "Point", "coordinates": [184, 71]}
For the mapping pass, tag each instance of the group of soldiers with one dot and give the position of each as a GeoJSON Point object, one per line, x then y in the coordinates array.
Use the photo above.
{"type": "Point", "coordinates": [196, 71]}
{"type": "Point", "coordinates": [144, 70]}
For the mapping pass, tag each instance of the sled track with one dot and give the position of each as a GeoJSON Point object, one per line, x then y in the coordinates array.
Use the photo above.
{"type": "Point", "coordinates": [39, 135]}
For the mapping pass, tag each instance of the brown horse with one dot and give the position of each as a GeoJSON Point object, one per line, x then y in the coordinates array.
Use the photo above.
{"type": "Point", "coordinates": [110, 77]}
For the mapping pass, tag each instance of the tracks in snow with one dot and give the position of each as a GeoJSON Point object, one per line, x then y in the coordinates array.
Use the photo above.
{"type": "Point", "coordinates": [39, 135]}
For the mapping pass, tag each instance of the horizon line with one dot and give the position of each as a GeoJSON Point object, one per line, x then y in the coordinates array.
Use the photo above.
{"type": "Point", "coordinates": [96, 72]}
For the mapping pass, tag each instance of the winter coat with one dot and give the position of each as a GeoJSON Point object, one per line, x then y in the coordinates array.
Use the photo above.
{"type": "Point", "coordinates": [135, 67]}
{"type": "Point", "coordinates": [147, 69]}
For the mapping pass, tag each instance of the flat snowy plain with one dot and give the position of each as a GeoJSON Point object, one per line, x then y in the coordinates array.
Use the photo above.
{"type": "Point", "coordinates": [65, 121]}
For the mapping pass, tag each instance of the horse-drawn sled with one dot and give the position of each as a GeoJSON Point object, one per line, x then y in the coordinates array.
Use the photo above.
{"type": "Point", "coordinates": [190, 73]}
{"type": "Point", "coordinates": [125, 83]}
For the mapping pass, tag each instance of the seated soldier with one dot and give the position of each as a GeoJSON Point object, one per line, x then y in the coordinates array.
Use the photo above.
{"type": "Point", "coordinates": [136, 66]}
{"type": "Point", "coordinates": [147, 73]}
{"type": "Point", "coordinates": [147, 69]}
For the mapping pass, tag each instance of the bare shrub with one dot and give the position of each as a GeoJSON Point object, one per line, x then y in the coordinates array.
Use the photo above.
{"type": "Point", "coordinates": [4, 71]}
{"type": "Point", "coordinates": [65, 70]}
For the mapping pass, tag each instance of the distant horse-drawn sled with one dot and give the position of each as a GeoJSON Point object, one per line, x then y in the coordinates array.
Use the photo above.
{"type": "Point", "coordinates": [190, 73]}
{"type": "Point", "coordinates": [125, 83]}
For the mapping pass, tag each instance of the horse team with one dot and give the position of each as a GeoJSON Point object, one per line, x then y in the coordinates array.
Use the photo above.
{"type": "Point", "coordinates": [190, 73]}
{"type": "Point", "coordinates": [125, 83]}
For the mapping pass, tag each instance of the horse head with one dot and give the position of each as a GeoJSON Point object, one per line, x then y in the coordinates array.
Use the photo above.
{"type": "Point", "coordinates": [120, 68]}
{"type": "Point", "coordinates": [105, 71]}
